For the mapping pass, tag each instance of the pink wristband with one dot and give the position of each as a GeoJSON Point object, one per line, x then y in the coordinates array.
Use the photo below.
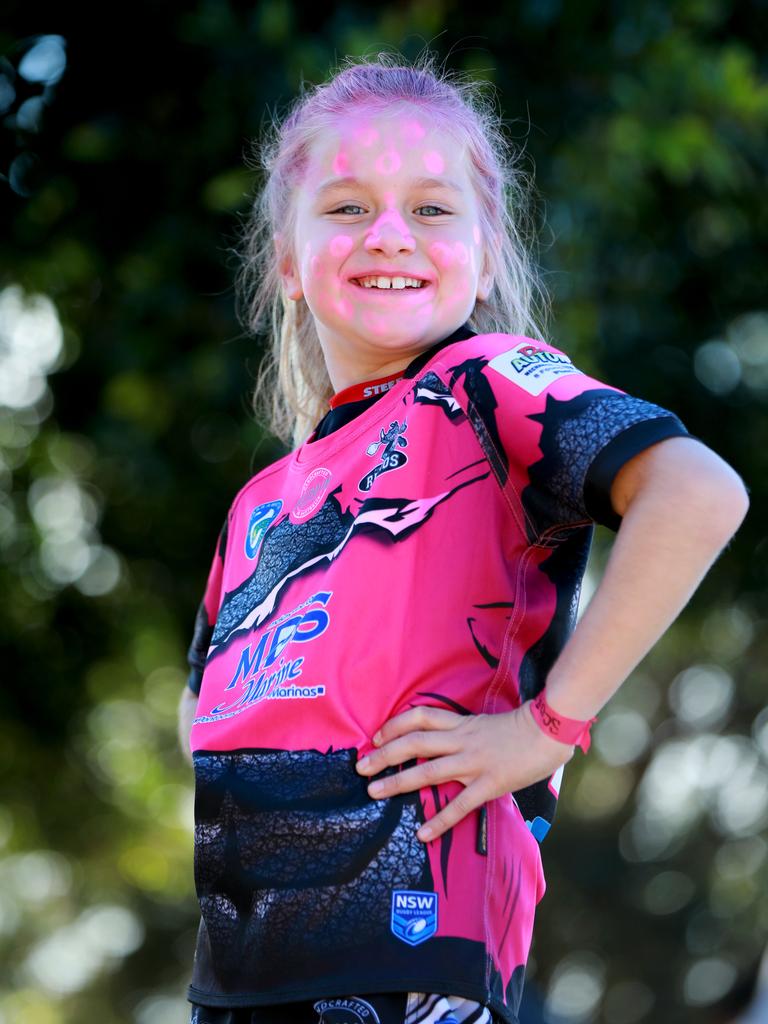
{"type": "Point", "coordinates": [566, 730]}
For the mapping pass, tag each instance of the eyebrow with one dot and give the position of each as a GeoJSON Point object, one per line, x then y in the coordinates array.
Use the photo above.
{"type": "Point", "coordinates": [335, 183]}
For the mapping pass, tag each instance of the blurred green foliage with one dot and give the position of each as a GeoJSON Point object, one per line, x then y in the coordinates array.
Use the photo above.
{"type": "Point", "coordinates": [125, 432]}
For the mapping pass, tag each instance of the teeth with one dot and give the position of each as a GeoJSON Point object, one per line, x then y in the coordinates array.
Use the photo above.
{"type": "Point", "coordinates": [390, 282]}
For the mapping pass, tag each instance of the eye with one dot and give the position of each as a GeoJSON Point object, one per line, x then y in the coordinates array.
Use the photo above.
{"type": "Point", "coordinates": [430, 206]}
{"type": "Point", "coordinates": [349, 206]}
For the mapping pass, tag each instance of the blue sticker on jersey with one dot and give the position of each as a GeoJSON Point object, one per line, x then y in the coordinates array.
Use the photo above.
{"type": "Point", "coordinates": [261, 519]}
{"type": "Point", "coordinates": [414, 915]}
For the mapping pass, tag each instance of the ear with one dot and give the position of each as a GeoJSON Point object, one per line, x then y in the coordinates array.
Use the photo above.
{"type": "Point", "coordinates": [286, 266]}
{"type": "Point", "coordinates": [485, 280]}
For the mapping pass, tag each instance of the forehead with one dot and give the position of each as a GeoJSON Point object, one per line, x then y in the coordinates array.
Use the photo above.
{"type": "Point", "coordinates": [376, 144]}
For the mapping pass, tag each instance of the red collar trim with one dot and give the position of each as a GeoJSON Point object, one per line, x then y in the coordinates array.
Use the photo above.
{"type": "Point", "coordinates": [366, 389]}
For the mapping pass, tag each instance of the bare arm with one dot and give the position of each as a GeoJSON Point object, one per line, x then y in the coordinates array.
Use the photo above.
{"type": "Point", "coordinates": [187, 707]}
{"type": "Point", "coordinates": [680, 505]}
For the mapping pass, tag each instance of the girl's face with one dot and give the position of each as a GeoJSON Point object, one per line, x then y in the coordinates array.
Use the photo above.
{"type": "Point", "coordinates": [385, 196]}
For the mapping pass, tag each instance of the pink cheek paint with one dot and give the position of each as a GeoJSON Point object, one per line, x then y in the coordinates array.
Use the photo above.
{"type": "Point", "coordinates": [476, 234]}
{"type": "Point", "coordinates": [442, 254]}
{"type": "Point", "coordinates": [340, 246]}
{"type": "Point", "coordinates": [344, 308]}
{"type": "Point", "coordinates": [389, 162]}
{"type": "Point", "coordinates": [433, 162]}
{"type": "Point", "coordinates": [460, 251]}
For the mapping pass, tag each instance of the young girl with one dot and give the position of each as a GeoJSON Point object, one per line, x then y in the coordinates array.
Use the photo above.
{"type": "Point", "coordinates": [386, 678]}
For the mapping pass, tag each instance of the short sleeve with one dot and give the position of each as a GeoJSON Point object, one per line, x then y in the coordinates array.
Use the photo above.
{"type": "Point", "coordinates": [585, 440]}
{"type": "Point", "coordinates": [205, 619]}
{"type": "Point", "coordinates": [555, 434]}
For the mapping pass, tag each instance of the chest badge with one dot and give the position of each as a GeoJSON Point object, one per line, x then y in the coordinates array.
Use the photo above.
{"type": "Point", "coordinates": [391, 441]}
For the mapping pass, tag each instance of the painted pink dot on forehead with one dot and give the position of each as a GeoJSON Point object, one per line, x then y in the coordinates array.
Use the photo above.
{"type": "Point", "coordinates": [366, 135]}
{"type": "Point", "coordinates": [389, 162]}
{"type": "Point", "coordinates": [412, 130]}
{"type": "Point", "coordinates": [341, 163]}
{"type": "Point", "coordinates": [433, 162]}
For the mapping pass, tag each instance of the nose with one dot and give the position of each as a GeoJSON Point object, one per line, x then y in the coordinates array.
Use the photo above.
{"type": "Point", "coordinates": [389, 235]}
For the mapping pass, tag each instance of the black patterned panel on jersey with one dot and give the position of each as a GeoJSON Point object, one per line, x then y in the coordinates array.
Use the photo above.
{"type": "Point", "coordinates": [564, 566]}
{"type": "Point", "coordinates": [289, 846]}
{"type": "Point", "coordinates": [430, 390]}
{"type": "Point", "coordinates": [481, 412]}
{"type": "Point", "coordinates": [574, 432]}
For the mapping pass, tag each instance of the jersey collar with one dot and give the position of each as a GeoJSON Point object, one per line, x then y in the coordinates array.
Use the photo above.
{"type": "Point", "coordinates": [378, 386]}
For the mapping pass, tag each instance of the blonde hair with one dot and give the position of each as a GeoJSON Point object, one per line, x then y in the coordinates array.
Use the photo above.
{"type": "Point", "coordinates": [292, 386]}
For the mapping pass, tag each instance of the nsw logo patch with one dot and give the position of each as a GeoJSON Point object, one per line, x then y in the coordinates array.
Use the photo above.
{"type": "Point", "coordinates": [532, 368]}
{"type": "Point", "coordinates": [414, 915]}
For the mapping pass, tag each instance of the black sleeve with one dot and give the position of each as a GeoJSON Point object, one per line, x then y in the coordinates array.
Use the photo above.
{"type": "Point", "coordinates": [618, 451]}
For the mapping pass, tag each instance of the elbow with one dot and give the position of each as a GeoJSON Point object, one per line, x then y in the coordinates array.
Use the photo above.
{"type": "Point", "coordinates": [720, 502]}
{"type": "Point", "coordinates": [732, 506]}
{"type": "Point", "coordinates": [683, 480]}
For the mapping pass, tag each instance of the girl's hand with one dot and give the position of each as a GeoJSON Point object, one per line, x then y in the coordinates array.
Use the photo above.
{"type": "Point", "coordinates": [489, 754]}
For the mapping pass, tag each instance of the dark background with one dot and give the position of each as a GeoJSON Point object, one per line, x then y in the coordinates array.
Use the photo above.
{"type": "Point", "coordinates": [125, 431]}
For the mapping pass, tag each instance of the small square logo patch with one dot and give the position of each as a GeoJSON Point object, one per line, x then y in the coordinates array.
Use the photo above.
{"type": "Point", "coordinates": [414, 915]}
{"type": "Point", "coordinates": [532, 368]}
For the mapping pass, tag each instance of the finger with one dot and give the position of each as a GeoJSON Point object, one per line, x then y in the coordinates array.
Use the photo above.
{"type": "Point", "coordinates": [404, 748]}
{"type": "Point", "coordinates": [430, 773]}
{"type": "Point", "coordinates": [422, 717]}
{"type": "Point", "coordinates": [468, 800]}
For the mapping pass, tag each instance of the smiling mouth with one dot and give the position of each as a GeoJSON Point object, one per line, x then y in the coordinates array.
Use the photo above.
{"type": "Point", "coordinates": [390, 284]}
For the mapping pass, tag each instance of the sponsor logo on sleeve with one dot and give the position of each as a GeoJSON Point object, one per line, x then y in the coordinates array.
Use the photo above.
{"type": "Point", "coordinates": [531, 368]}
{"type": "Point", "coordinates": [414, 915]}
{"type": "Point", "coordinates": [260, 521]}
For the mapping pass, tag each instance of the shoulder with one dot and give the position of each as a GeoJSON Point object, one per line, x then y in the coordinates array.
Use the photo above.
{"type": "Point", "coordinates": [252, 485]}
{"type": "Point", "coordinates": [491, 346]}
{"type": "Point", "coordinates": [513, 368]}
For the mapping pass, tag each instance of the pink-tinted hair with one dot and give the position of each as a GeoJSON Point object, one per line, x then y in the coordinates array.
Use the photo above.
{"type": "Point", "coordinates": [293, 387]}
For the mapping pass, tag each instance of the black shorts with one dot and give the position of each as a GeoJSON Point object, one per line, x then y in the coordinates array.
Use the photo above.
{"type": "Point", "coordinates": [380, 1008]}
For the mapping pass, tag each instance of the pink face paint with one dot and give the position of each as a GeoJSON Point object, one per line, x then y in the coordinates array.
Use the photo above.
{"type": "Point", "coordinates": [340, 246]}
{"type": "Point", "coordinates": [389, 162]}
{"type": "Point", "coordinates": [344, 308]}
{"type": "Point", "coordinates": [412, 131]}
{"type": "Point", "coordinates": [307, 258]}
{"type": "Point", "coordinates": [476, 234]}
{"type": "Point", "coordinates": [442, 254]}
{"type": "Point", "coordinates": [462, 256]}
{"type": "Point", "coordinates": [390, 217]}
{"type": "Point", "coordinates": [315, 265]}
{"type": "Point", "coordinates": [341, 163]}
{"type": "Point", "coordinates": [433, 162]}
{"type": "Point", "coordinates": [366, 135]}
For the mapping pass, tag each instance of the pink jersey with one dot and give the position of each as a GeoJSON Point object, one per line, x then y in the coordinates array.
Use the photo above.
{"type": "Point", "coordinates": [430, 551]}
